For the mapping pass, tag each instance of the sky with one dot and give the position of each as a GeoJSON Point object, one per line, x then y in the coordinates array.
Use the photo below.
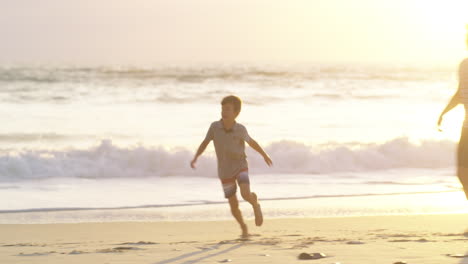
{"type": "Point", "coordinates": [154, 32]}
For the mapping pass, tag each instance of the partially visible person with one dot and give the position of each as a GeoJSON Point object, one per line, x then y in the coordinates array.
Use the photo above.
{"type": "Point", "coordinates": [461, 97]}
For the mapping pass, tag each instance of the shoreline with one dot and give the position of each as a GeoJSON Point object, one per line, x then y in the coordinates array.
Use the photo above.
{"type": "Point", "coordinates": [154, 206]}
{"type": "Point", "coordinates": [245, 218]}
{"type": "Point", "coordinates": [329, 207]}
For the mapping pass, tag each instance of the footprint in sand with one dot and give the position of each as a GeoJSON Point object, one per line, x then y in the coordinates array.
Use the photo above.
{"type": "Point", "coordinates": [118, 249]}
{"type": "Point", "coordinates": [293, 235]}
{"type": "Point", "coordinates": [76, 252]}
{"type": "Point", "coordinates": [355, 243]}
{"type": "Point", "coordinates": [25, 245]}
{"type": "Point", "coordinates": [422, 240]}
{"type": "Point", "coordinates": [457, 255]}
{"type": "Point", "coordinates": [36, 254]}
{"type": "Point", "coordinates": [140, 243]}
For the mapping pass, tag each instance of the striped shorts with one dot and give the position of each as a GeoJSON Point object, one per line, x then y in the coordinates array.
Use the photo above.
{"type": "Point", "coordinates": [230, 185]}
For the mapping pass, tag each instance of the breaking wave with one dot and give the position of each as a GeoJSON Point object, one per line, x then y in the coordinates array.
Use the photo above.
{"type": "Point", "coordinates": [109, 161]}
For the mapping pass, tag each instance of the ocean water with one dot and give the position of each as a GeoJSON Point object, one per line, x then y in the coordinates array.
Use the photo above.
{"type": "Point", "coordinates": [114, 143]}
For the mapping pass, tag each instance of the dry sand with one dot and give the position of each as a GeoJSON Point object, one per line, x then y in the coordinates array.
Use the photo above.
{"type": "Point", "coordinates": [423, 239]}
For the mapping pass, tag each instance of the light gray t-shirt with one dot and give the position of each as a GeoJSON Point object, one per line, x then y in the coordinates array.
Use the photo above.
{"type": "Point", "coordinates": [229, 147]}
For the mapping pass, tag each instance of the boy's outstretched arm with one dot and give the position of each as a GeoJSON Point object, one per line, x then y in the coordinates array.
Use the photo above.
{"type": "Point", "coordinates": [200, 150]}
{"type": "Point", "coordinates": [451, 104]}
{"type": "Point", "coordinates": [252, 143]}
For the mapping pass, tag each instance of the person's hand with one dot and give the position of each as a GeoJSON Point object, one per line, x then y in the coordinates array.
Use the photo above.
{"type": "Point", "coordinates": [268, 161]}
{"type": "Point", "coordinates": [439, 123]}
{"type": "Point", "coordinates": [192, 163]}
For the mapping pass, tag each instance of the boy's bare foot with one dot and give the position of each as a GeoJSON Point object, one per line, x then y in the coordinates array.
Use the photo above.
{"type": "Point", "coordinates": [245, 231]}
{"type": "Point", "coordinates": [257, 211]}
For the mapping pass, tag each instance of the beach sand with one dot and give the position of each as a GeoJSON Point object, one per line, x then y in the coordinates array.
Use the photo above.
{"type": "Point", "coordinates": [348, 240]}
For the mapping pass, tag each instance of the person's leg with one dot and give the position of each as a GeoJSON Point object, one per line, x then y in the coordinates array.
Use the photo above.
{"type": "Point", "coordinates": [244, 185]}
{"type": "Point", "coordinates": [462, 160]}
{"type": "Point", "coordinates": [463, 177]}
{"type": "Point", "coordinates": [230, 188]}
{"type": "Point", "coordinates": [251, 197]}
{"type": "Point", "coordinates": [234, 204]}
{"type": "Point", "coordinates": [246, 194]}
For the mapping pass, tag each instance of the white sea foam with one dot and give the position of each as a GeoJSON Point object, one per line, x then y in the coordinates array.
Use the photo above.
{"type": "Point", "coordinates": [110, 161]}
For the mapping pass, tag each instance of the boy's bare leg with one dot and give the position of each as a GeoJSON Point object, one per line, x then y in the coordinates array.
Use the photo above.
{"type": "Point", "coordinates": [253, 200]}
{"type": "Point", "coordinates": [234, 204]}
{"type": "Point", "coordinates": [247, 194]}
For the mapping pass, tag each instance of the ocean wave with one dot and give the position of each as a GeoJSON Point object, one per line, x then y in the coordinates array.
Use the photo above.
{"type": "Point", "coordinates": [31, 137]}
{"type": "Point", "coordinates": [48, 137]}
{"type": "Point", "coordinates": [110, 161]}
{"type": "Point", "coordinates": [173, 85]}
{"type": "Point", "coordinates": [250, 73]}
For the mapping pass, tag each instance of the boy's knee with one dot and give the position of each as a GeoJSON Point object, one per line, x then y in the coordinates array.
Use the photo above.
{"type": "Point", "coordinates": [246, 196]}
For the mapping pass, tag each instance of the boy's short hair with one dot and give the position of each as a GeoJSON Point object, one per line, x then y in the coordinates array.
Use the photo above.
{"type": "Point", "coordinates": [234, 100]}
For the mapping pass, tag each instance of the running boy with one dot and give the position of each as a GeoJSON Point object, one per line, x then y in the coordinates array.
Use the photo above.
{"type": "Point", "coordinates": [228, 137]}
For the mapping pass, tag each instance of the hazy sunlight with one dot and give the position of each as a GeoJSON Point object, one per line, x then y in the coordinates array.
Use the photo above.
{"type": "Point", "coordinates": [452, 124]}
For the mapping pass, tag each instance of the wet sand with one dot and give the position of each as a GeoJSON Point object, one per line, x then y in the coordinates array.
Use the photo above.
{"type": "Point", "coordinates": [348, 240]}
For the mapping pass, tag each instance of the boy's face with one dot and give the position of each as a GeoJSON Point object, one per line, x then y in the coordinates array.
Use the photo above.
{"type": "Point", "coordinates": [227, 112]}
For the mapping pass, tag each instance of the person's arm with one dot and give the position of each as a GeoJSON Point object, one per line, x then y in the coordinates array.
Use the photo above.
{"type": "Point", "coordinates": [200, 150]}
{"type": "Point", "coordinates": [451, 104]}
{"type": "Point", "coordinates": [462, 85]}
{"type": "Point", "coordinates": [209, 136]}
{"type": "Point", "coordinates": [252, 143]}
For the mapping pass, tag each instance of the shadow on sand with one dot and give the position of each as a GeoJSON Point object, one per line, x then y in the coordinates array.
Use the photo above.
{"type": "Point", "coordinates": [216, 253]}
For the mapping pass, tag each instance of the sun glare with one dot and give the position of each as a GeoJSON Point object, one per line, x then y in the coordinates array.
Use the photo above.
{"type": "Point", "coordinates": [452, 124]}
{"type": "Point", "coordinates": [442, 15]}
{"type": "Point", "coordinates": [452, 199]}
{"type": "Point", "coordinates": [442, 22]}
